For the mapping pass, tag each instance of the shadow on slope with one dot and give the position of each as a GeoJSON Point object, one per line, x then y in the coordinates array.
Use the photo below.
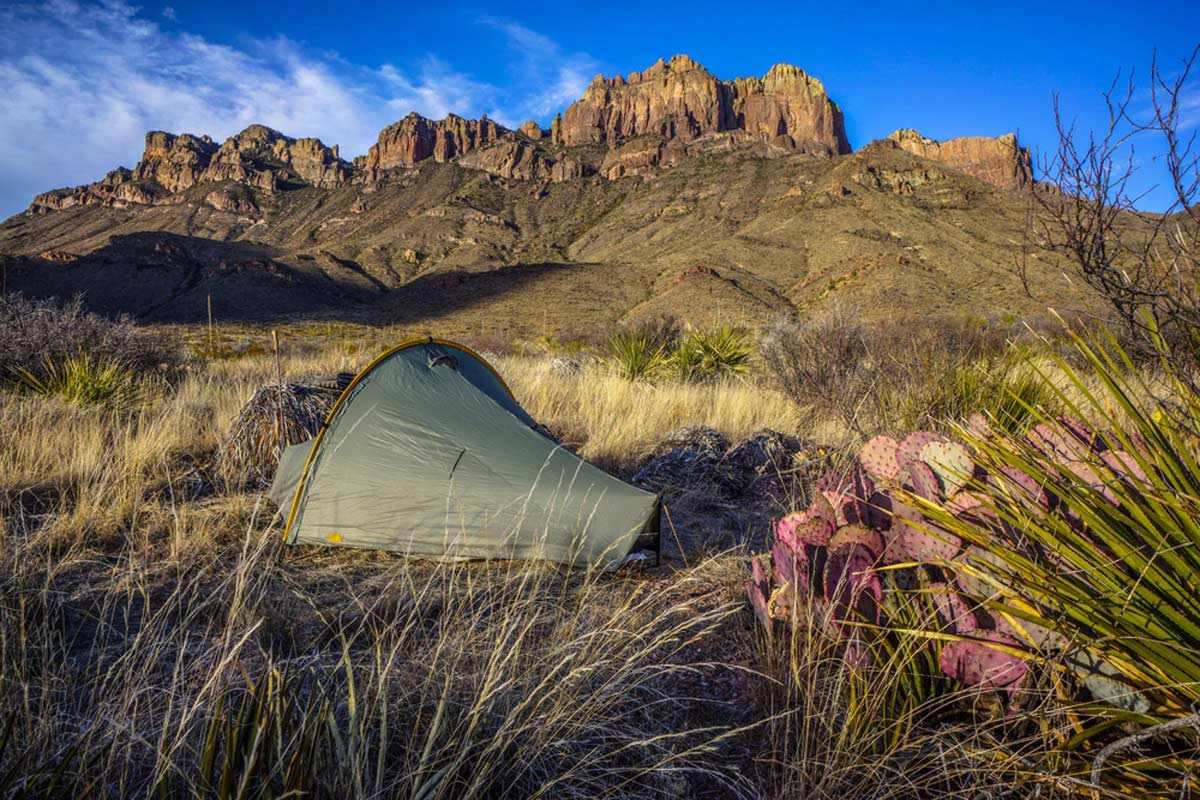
{"type": "Point", "coordinates": [549, 298]}
{"type": "Point", "coordinates": [167, 277]}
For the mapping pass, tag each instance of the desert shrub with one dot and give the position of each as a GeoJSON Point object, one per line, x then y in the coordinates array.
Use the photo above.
{"type": "Point", "coordinates": [82, 379]}
{"type": "Point", "coordinates": [816, 361]}
{"type": "Point", "coordinates": [635, 356]}
{"type": "Point", "coordinates": [663, 330]}
{"type": "Point", "coordinates": [38, 334]}
{"type": "Point", "coordinates": [898, 375]}
{"type": "Point", "coordinates": [711, 355]}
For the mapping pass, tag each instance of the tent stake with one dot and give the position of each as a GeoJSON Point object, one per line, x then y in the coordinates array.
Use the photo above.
{"type": "Point", "coordinates": [675, 533]}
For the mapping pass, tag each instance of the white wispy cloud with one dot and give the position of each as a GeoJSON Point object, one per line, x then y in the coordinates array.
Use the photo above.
{"type": "Point", "coordinates": [549, 77]}
{"type": "Point", "coordinates": [81, 83]}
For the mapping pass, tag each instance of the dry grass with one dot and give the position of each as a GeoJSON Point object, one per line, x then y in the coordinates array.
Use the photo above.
{"type": "Point", "coordinates": [616, 422]}
{"type": "Point", "coordinates": [144, 605]}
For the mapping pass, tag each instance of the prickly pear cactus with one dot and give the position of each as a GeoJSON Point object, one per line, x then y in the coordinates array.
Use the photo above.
{"type": "Point", "coordinates": [868, 533]}
{"type": "Point", "coordinates": [879, 458]}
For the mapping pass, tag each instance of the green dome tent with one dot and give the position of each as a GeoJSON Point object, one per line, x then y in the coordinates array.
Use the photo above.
{"type": "Point", "coordinates": [427, 453]}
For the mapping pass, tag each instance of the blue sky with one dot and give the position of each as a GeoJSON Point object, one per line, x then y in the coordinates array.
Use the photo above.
{"type": "Point", "coordinates": [81, 82]}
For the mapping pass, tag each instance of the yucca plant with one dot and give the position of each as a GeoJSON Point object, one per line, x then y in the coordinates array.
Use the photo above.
{"type": "Point", "coordinates": [711, 355]}
{"type": "Point", "coordinates": [1112, 562]}
{"type": "Point", "coordinates": [635, 356]}
{"type": "Point", "coordinates": [83, 380]}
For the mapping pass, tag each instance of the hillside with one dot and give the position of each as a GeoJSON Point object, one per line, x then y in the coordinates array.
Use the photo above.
{"type": "Point", "coordinates": [667, 190]}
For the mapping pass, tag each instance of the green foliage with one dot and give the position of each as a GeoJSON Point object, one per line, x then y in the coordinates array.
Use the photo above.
{"type": "Point", "coordinates": [1005, 388]}
{"type": "Point", "coordinates": [697, 356]}
{"type": "Point", "coordinates": [1115, 565]}
{"type": "Point", "coordinates": [83, 380]}
{"type": "Point", "coordinates": [635, 356]}
{"type": "Point", "coordinates": [711, 355]}
{"type": "Point", "coordinates": [269, 741]}
{"type": "Point", "coordinates": [31, 774]}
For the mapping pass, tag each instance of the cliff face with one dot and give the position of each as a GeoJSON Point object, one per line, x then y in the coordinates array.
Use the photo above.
{"type": "Point", "coordinates": [681, 100]}
{"type": "Point", "coordinates": [171, 163]}
{"type": "Point", "coordinates": [1000, 161]}
{"type": "Point", "coordinates": [789, 103]}
{"type": "Point", "coordinates": [622, 126]}
{"type": "Point", "coordinates": [174, 162]}
{"type": "Point", "coordinates": [415, 138]}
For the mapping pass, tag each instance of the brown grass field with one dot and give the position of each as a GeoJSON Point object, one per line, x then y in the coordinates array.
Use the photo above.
{"type": "Point", "coordinates": [158, 640]}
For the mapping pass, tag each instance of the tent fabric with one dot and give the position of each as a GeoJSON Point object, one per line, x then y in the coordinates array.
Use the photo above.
{"type": "Point", "coordinates": [427, 453]}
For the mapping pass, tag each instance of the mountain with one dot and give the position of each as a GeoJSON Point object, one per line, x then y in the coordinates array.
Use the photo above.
{"type": "Point", "coordinates": [664, 190]}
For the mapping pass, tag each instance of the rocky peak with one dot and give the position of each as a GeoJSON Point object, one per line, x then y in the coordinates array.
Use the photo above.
{"type": "Point", "coordinates": [680, 99]}
{"type": "Point", "coordinates": [415, 138]}
{"type": "Point", "coordinates": [171, 163]}
{"type": "Point", "coordinates": [261, 156]}
{"type": "Point", "coordinates": [174, 162]}
{"type": "Point", "coordinates": [532, 130]}
{"type": "Point", "coordinates": [1000, 161]}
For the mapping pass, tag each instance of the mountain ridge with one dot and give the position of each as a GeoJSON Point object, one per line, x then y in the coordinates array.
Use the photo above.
{"type": "Point", "coordinates": [646, 120]}
{"type": "Point", "coordinates": [665, 190]}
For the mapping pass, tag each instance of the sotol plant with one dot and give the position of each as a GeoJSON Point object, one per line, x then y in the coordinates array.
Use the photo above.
{"type": "Point", "coordinates": [1064, 546]}
{"type": "Point", "coordinates": [925, 502]}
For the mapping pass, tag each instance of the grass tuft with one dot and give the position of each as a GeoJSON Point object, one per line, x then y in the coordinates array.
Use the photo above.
{"type": "Point", "coordinates": [83, 380]}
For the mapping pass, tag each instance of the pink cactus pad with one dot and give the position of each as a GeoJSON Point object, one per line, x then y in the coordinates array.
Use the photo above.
{"type": "Point", "coordinates": [910, 447]}
{"type": "Point", "coordinates": [791, 565]}
{"type": "Point", "coordinates": [822, 509]}
{"type": "Point", "coordinates": [853, 501]}
{"type": "Point", "coordinates": [878, 457]}
{"type": "Point", "coordinates": [857, 534]}
{"type": "Point", "coordinates": [785, 528]}
{"type": "Point", "coordinates": [1088, 475]}
{"type": "Point", "coordinates": [977, 662]}
{"type": "Point", "coordinates": [758, 588]}
{"type": "Point", "coordinates": [1020, 485]}
{"type": "Point", "coordinates": [974, 508]}
{"type": "Point", "coordinates": [923, 482]}
{"type": "Point", "coordinates": [1056, 443]}
{"type": "Point", "coordinates": [950, 462]}
{"type": "Point", "coordinates": [952, 610]}
{"type": "Point", "coordinates": [879, 512]}
{"type": "Point", "coordinates": [852, 585]}
{"type": "Point", "coordinates": [1126, 467]}
{"type": "Point", "coordinates": [979, 426]}
{"type": "Point", "coordinates": [895, 551]}
{"type": "Point", "coordinates": [1085, 435]}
